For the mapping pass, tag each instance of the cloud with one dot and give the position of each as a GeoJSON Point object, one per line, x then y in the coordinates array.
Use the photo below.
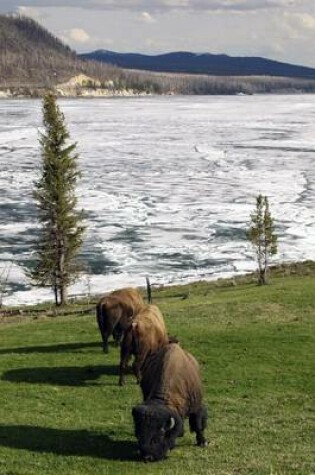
{"type": "Point", "coordinates": [146, 17]}
{"type": "Point", "coordinates": [156, 5]}
{"type": "Point", "coordinates": [77, 35]}
{"type": "Point", "coordinates": [305, 20]}
{"type": "Point", "coordinates": [157, 45]}
{"type": "Point", "coordinates": [299, 25]}
{"type": "Point", "coordinates": [31, 12]}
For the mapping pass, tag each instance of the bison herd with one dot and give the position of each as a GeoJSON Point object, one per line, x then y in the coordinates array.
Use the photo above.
{"type": "Point", "coordinates": [169, 377]}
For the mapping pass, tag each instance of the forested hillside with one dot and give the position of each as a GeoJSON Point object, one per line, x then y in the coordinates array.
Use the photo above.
{"type": "Point", "coordinates": [30, 56]}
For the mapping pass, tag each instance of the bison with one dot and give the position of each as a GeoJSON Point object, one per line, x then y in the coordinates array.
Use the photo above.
{"type": "Point", "coordinates": [146, 333]}
{"type": "Point", "coordinates": [115, 311]}
{"type": "Point", "coordinates": [172, 390]}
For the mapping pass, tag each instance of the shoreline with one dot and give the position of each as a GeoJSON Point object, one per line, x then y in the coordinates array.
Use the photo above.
{"type": "Point", "coordinates": [143, 95]}
{"type": "Point", "coordinates": [304, 268]}
{"type": "Point", "coordinates": [38, 93]}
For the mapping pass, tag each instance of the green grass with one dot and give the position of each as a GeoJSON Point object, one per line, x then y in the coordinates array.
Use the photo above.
{"type": "Point", "coordinates": [62, 411]}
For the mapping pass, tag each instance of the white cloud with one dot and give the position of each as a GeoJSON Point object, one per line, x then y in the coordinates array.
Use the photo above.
{"type": "Point", "coordinates": [77, 35]}
{"type": "Point", "coordinates": [31, 12]}
{"type": "Point", "coordinates": [145, 17]}
{"type": "Point", "coordinates": [305, 20]}
{"type": "Point", "coordinates": [174, 3]}
{"type": "Point", "coordinates": [156, 45]}
{"type": "Point", "coordinates": [157, 5]}
{"type": "Point", "coordinates": [299, 25]}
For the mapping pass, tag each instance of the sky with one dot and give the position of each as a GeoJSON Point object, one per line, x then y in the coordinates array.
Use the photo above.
{"type": "Point", "coordinates": [283, 30]}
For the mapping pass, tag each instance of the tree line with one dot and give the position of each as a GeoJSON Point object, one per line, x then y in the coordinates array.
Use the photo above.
{"type": "Point", "coordinates": [189, 84]}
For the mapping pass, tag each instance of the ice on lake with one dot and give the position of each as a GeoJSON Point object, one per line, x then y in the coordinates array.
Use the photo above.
{"type": "Point", "coordinates": [168, 185]}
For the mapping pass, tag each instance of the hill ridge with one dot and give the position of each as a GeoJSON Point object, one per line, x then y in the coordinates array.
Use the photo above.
{"type": "Point", "coordinates": [31, 56]}
{"type": "Point", "coordinates": [203, 63]}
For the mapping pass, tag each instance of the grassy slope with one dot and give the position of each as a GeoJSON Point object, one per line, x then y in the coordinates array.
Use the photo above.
{"type": "Point", "coordinates": [62, 410]}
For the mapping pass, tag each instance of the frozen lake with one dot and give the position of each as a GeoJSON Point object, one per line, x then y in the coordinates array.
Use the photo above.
{"type": "Point", "coordinates": [168, 185]}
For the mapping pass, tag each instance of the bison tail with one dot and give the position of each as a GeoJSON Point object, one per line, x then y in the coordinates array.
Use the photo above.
{"type": "Point", "coordinates": [101, 320]}
{"type": "Point", "coordinates": [99, 316]}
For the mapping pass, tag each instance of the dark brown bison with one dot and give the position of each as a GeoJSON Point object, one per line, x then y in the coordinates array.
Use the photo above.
{"type": "Point", "coordinates": [172, 390]}
{"type": "Point", "coordinates": [145, 334]}
{"type": "Point", "coordinates": [115, 311]}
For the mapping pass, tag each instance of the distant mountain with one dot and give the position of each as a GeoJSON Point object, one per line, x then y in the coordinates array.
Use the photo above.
{"type": "Point", "coordinates": [209, 64]}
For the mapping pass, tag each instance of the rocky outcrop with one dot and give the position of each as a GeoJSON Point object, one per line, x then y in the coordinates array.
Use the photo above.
{"type": "Point", "coordinates": [86, 86]}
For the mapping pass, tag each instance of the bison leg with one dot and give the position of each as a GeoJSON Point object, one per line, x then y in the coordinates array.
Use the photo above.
{"type": "Point", "coordinates": [137, 365]}
{"type": "Point", "coordinates": [122, 370]}
{"type": "Point", "coordinates": [105, 335]}
{"type": "Point", "coordinates": [117, 333]}
{"type": "Point", "coordinates": [125, 353]}
{"type": "Point", "coordinates": [103, 326]}
{"type": "Point", "coordinates": [106, 331]}
{"type": "Point", "coordinates": [105, 343]}
{"type": "Point", "coordinates": [197, 424]}
{"type": "Point", "coordinates": [136, 370]}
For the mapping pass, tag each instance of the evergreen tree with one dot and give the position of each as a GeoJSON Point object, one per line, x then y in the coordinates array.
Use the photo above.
{"type": "Point", "coordinates": [262, 236]}
{"type": "Point", "coordinates": [61, 229]}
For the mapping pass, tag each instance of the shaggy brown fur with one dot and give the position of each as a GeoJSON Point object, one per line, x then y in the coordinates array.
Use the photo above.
{"type": "Point", "coordinates": [146, 334]}
{"type": "Point", "coordinates": [172, 375]}
{"type": "Point", "coordinates": [115, 311]}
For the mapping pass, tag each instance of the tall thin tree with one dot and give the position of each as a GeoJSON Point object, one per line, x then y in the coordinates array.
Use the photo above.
{"type": "Point", "coordinates": [61, 223]}
{"type": "Point", "coordinates": [263, 237]}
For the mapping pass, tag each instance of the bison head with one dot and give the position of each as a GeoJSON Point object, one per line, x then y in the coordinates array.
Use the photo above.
{"type": "Point", "coordinates": [156, 428]}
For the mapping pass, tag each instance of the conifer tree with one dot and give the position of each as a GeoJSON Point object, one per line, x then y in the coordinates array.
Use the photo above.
{"type": "Point", "coordinates": [61, 224]}
{"type": "Point", "coordinates": [262, 236]}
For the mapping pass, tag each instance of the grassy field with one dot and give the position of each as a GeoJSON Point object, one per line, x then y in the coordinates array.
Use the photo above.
{"type": "Point", "coordinates": [62, 411]}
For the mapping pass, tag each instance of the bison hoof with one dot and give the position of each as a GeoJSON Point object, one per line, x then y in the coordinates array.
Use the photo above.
{"type": "Point", "coordinates": [202, 443]}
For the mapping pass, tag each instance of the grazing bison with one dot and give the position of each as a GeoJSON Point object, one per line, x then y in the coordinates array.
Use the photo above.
{"type": "Point", "coordinates": [115, 311]}
{"type": "Point", "coordinates": [171, 388]}
{"type": "Point", "coordinates": [145, 334]}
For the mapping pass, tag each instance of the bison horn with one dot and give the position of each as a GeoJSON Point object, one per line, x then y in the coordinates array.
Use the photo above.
{"type": "Point", "coordinates": [172, 423]}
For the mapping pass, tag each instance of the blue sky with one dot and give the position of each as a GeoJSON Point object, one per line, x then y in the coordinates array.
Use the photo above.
{"type": "Point", "coordinates": [278, 29]}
